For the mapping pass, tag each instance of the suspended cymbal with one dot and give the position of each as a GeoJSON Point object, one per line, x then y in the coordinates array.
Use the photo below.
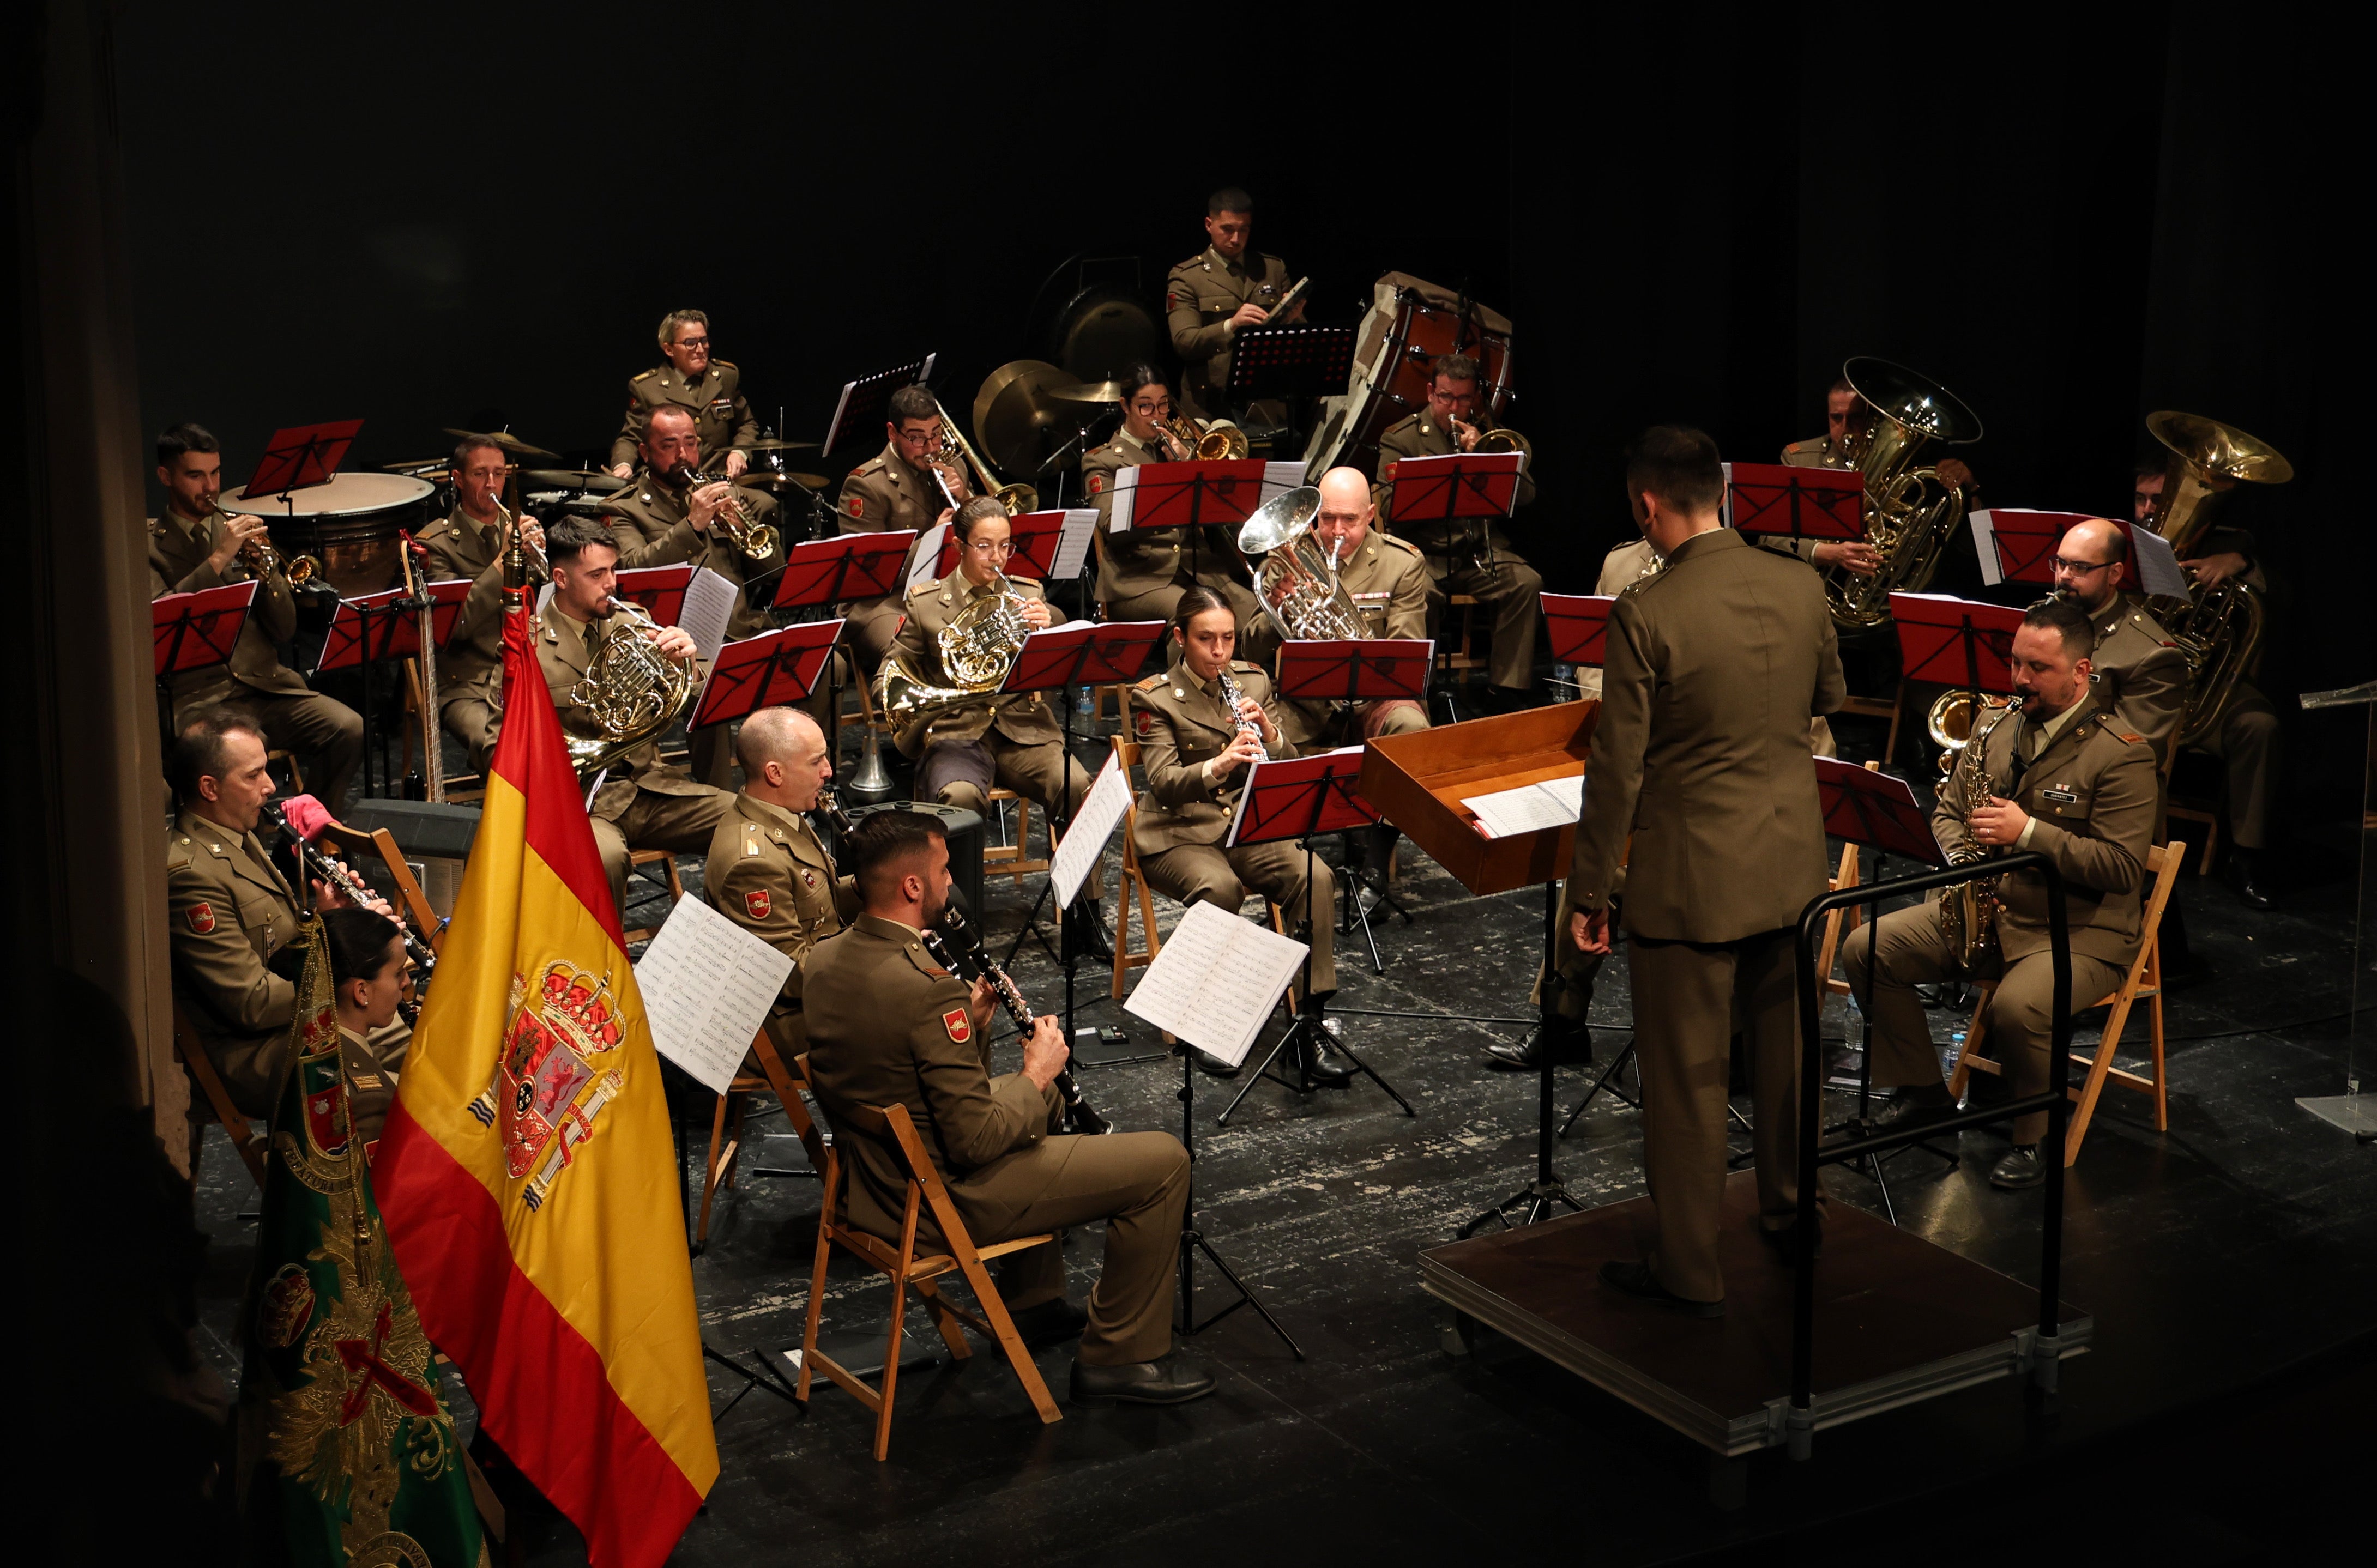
{"type": "Point", "coordinates": [417, 467]}
{"type": "Point", "coordinates": [505, 440]}
{"type": "Point", "coordinates": [768, 479]}
{"type": "Point", "coordinates": [573, 478]}
{"type": "Point", "coordinates": [1088, 392]}
{"type": "Point", "coordinates": [771, 445]}
{"type": "Point", "coordinates": [1016, 418]}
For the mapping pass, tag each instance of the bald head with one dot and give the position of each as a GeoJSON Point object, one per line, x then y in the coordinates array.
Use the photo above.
{"type": "Point", "coordinates": [783, 757]}
{"type": "Point", "coordinates": [1345, 511]}
{"type": "Point", "coordinates": [2088, 562]}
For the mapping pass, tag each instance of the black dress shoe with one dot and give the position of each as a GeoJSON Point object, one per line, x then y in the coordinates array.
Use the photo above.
{"type": "Point", "coordinates": [1330, 1065]}
{"type": "Point", "coordinates": [1786, 1242]}
{"type": "Point", "coordinates": [1208, 1063]}
{"type": "Point", "coordinates": [1053, 1322]}
{"type": "Point", "coordinates": [2251, 878]}
{"type": "Point", "coordinates": [1168, 1380]}
{"type": "Point", "coordinates": [1569, 1044]}
{"type": "Point", "coordinates": [1636, 1279]}
{"type": "Point", "coordinates": [2021, 1168]}
{"type": "Point", "coordinates": [1915, 1107]}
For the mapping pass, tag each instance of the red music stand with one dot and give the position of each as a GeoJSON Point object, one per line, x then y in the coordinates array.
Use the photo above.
{"type": "Point", "coordinates": [372, 627]}
{"type": "Point", "coordinates": [1085, 654]}
{"type": "Point", "coordinates": [660, 590]}
{"type": "Point", "coordinates": [847, 566]}
{"type": "Point", "coordinates": [864, 401]}
{"type": "Point", "coordinates": [1578, 623]}
{"type": "Point", "coordinates": [1775, 498]}
{"type": "Point", "coordinates": [2021, 547]}
{"type": "Point", "coordinates": [773, 670]}
{"type": "Point", "coordinates": [1369, 670]}
{"type": "Point", "coordinates": [1867, 807]}
{"type": "Point", "coordinates": [1955, 642]}
{"type": "Point", "coordinates": [1455, 486]}
{"type": "Point", "coordinates": [1301, 798]}
{"type": "Point", "coordinates": [1174, 495]}
{"type": "Point", "coordinates": [194, 630]}
{"type": "Point", "coordinates": [300, 458]}
{"type": "Point", "coordinates": [1034, 535]}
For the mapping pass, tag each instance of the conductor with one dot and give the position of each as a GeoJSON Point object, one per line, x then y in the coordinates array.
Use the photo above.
{"type": "Point", "coordinates": [1714, 667]}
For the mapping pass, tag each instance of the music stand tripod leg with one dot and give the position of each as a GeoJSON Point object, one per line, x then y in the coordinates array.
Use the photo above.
{"type": "Point", "coordinates": [1546, 1189]}
{"type": "Point", "coordinates": [1192, 1241]}
{"type": "Point", "coordinates": [1608, 1080]}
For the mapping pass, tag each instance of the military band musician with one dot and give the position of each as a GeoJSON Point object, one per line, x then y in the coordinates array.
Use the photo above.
{"type": "Point", "coordinates": [709, 390]}
{"type": "Point", "coordinates": [909, 485]}
{"type": "Point", "coordinates": [1144, 572]}
{"type": "Point", "coordinates": [470, 542]}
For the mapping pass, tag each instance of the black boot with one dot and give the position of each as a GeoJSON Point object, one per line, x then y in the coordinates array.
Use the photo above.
{"type": "Point", "coordinates": [2250, 877]}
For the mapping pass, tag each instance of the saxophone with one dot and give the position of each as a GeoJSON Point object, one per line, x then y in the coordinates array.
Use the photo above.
{"type": "Point", "coordinates": [1968, 913]}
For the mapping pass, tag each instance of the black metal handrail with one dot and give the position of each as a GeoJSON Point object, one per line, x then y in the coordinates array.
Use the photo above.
{"type": "Point", "coordinates": [1814, 1153]}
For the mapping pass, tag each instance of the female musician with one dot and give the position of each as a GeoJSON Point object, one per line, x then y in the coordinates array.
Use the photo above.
{"type": "Point", "coordinates": [1142, 572]}
{"type": "Point", "coordinates": [1199, 726]}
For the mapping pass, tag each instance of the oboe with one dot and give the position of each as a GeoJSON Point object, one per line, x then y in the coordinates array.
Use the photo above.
{"type": "Point", "coordinates": [954, 946]}
{"type": "Point", "coordinates": [314, 863]}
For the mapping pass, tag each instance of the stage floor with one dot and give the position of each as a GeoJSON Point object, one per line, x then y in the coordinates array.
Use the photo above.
{"type": "Point", "coordinates": [2210, 1259]}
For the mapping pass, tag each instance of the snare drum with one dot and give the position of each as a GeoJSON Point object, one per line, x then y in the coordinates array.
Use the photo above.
{"type": "Point", "coordinates": [349, 525]}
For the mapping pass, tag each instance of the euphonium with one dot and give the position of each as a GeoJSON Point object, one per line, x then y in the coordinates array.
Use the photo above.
{"type": "Point", "coordinates": [632, 690]}
{"type": "Point", "coordinates": [1205, 442]}
{"type": "Point", "coordinates": [756, 541]}
{"type": "Point", "coordinates": [1296, 583]}
{"type": "Point", "coordinates": [1968, 913]}
{"type": "Point", "coordinates": [977, 648]}
{"type": "Point", "coordinates": [959, 453]}
{"type": "Point", "coordinates": [2218, 628]}
{"type": "Point", "coordinates": [1909, 515]}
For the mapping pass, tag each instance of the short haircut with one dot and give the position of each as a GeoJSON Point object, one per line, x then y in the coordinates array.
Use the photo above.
{"type": "Point", "coordinates": [1454, 367]}
{"type": "Point", "coordinates": [1841, 384]}
{"type": "Point", "coordinates": [470, 443]}
{"type": "Point", "coordinates": [359, 941]}
{"type": "Point", "coordinates": [676, 318]}
{"type": "Point", "coordinates": [1143, 374]}
{"type": "Point", "coordinates": [198, 746]}
{"type": "Point", "coordinates": [1195, 603]}
{"type": "Point", "coordinates": [2150, 467]}
{"type": "Point", "coordinates": [975, 511]}
{"type": "Point", "coordinates": [1229, 198]}
{"type": "Point", "coordinates": [770, 735]}
{"type": "Point", "coordinates": [667, 410]}
{"type": "Point", "coordinates": [571, 536]}
{"type": "Point", "coordinates": [885, 846]}
{"type": "Point", "coordinates": [2066, 619]}
{"type": "Point", "coordinates": [1678, 465]}
{"type": "Point", "coordinates": [185, 437]}
{"type": "Point", "coordinates": [914, 401]}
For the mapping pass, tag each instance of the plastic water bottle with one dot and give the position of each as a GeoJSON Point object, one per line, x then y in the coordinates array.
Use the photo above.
{"type": "Point", "coordinates": [1085, 702]}
{"type": "Point", "coordinates": [1563, 683]}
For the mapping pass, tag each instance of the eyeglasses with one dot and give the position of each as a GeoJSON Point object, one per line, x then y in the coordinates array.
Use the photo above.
{"type": "Point", "coordinates": [1151, 410]}
{"type": "Point", "coordinates": [991, 547]}
{"type": "Point", "coordinates": [693, 342]}
{"type": "Point", "coordinates": [2079, 568]}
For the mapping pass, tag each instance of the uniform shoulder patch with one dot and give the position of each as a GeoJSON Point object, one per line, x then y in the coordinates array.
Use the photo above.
{"type": "Point", "coordinates": [756, 903]}
{"type": "Point", "coordinates": [960, 1026]}
{"type": "Point", "coordinates": [201, 917]}
{"type": "Point", "coordinates": [855, 502]}
{"type": "Point", "coordinates": [1097, 483]}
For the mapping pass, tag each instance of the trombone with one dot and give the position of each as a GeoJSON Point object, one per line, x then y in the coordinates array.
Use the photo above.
{"type": "Point", "coordinates": [957, 452]}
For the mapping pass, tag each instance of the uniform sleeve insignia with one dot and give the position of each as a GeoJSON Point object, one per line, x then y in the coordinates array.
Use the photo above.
{"type": "Point", "coordinates": [960, 1026]}
{"type": "Point", "coordinates": [857, 504]}
{"type": "Point", "coordinates": [201, 918]}
{"type": "Point", "coordinates": [756, 903]}
{"type": "Point", "coordinates": [1172, 300]}
{"type": "Point", "coordinates": [1097, 483]}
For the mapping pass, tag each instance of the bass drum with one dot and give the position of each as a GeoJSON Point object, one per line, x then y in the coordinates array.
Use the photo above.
{"type": "Point", "coordinates": [1411, 324]}
{"type": "Point", "coordinates": [349, 525]}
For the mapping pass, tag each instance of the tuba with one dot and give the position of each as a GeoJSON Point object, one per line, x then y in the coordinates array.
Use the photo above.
{"type": "Point", "coordinates": [2219, 628]}
{"type": "Point", "coordinates": [1968, 913]}
{"type": "Point", "coordinates": [1295, 581]}
{"type": "Point", "coordinates": [977, 648]}
{"type": "Point", "coordinates": [632, 691]}
{"type": "Point", "coordinates": [1909, 515]}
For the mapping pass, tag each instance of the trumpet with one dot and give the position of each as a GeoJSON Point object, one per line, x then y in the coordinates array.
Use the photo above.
{"type": "Point", "coordinates": [264, 561]}
{"type": "Point", "coordinates": [510, 520]}
{"type": "Point", "coordinates": [1204, 443]}
{"type": "Point", "coordinates": [756, 541]}
{"type": "Point", "coordinates": [957, 452]}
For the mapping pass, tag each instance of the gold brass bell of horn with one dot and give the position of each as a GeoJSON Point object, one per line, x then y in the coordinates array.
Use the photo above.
{"type": "Point", "coordinates": [264, 560]}
{"type": "Point", "coordinates": [1215, 443]}
{"type": "Point", "coordinates": [959, 453]}
{"type": "Point", "coordinates": [977, 648]}
{"type": "Point", "coordinates": [1950, 721]}
{"type": "Point", "coordinates": [2217, 628]}
{"type": "Point", "coordinates": [631, 690]}
{"type": "Point", "coordinates": [756, 541]}
{"type": "Point", "coordinates": [1296, 580]}
{"type": "Point", "coordinates": [1909, 515]}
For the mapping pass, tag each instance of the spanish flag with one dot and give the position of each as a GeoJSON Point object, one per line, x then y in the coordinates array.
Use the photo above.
{"type": "Point", "coordinates": [527, 1174]}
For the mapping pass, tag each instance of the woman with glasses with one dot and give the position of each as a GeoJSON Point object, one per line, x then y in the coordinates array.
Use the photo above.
{"type": "Point", "coordinates": [1144, 572]}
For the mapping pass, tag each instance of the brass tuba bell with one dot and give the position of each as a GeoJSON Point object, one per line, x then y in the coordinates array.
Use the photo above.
{"type": "Point", "coordinates": [1909, 515]}
{"type": "Point", "coordinates": [1296, 580]}
{"type": "Point", "coordinates": [2218, 628]}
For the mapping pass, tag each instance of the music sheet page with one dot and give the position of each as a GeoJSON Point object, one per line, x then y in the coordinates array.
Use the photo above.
{"type": "Point", "coordinates": [1531, 808]}
{"type": "Point", "coordinates": [1216, 980]}
{"type": "Point", "coordinates": [924, 556]}
{"type": "Point", "coordinates": [1085, 840]}
{"type": "Point", "coordinates": [709, 601]}
{"type": "Point", "coordinates": [1073, 543]}
{"type": "Point", "coordinates": [1126, 484]}
{"type": "Point", "coordinates": [2158, 572]}
{"type": "Point", "coordinates": [706, 985]}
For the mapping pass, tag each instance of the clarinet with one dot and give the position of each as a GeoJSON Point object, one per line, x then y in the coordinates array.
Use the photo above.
{"type": "Point", "coordinates": [953, 946]}
{"type": "Point", "coordinates": [1231, 698]}
{"type": "Point", "coordinates": [315, 863]}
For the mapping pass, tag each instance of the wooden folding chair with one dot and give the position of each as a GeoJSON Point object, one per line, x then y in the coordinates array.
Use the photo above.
{"type": "Point", "coordinates": [904, 1266]}
{"type": "Point", "coordinates": [1458, 657]}
{"type": "Point", "coordinates": [352, 843]}
{"type": "Point", "coordinates": [2142, 983]}
{"type": "Point", "coordinates": [1893, 710]}
{"type": "Point", "coordinates": [247, 1141]}
{"type": "Point", "coordinates": [667, 862]}
{"type": "Point", "coordinates": [726, 1141]}
{"type": "Point", "coordinates": [1012, 859]}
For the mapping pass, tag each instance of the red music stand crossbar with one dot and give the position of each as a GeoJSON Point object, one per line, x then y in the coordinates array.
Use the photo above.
{"type": "Point", "coordinates": [847, 566]}
{"type": "Point", "coordinates": [773, 670]}
{"type": "Point", "coordinates": [1777, 498]}
{"type": "Point", "coordinates": [1367, 669]}
{"type": "Point", "coordinates": [1035, 536]}
{"type": "Point", "coordinates": [1955, 642]}
{"type": "Point", "coordinates": [1867, 807]}
{"type": "Point", "coordinates": [1454, 486]}
{"type": "Point", "coordinates": [1578, 623]}
{"type": "Point", "coordinates": [1086, 654]}
{"type": "Point", "coordinates": [301, 456]}
{"type": "Point", "coordinates": [659, 589]}
{"type": "Point", "coordinates": [195, 630]}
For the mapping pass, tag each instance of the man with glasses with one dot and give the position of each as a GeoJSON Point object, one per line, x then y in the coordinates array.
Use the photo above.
{"type": "Point", "coordinates": [2140, 675]}
{"type": "Point", "coordinates": [1144, 572]}
{"type": "Point", "coordinates": [472, 543]}
{"type": "Point", "coordinates": [905, 486]}
{"type": "Point", "coordinates": [710, 390]}
{"type": "Point", "coordinates": [1012, 742]}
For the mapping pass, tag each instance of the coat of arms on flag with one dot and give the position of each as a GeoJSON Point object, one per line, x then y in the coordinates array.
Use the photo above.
{"type": "Point", "coordinates": [549, 1086]}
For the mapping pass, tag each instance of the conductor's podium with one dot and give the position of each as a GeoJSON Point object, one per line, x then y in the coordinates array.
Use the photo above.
{"type": "Point", "coordinates": [1897, 1320]}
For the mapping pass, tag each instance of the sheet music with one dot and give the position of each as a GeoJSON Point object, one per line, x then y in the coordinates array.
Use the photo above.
{"type": "Point", "coordinates": [924, 555]}
{"type": "Point", "coordinates": [1073, 543]}
{"type": "Point", "coordinates": [706, 985]}
{"type": "Point", "coordinates": [1216, 980]}
{"type": "Point", "coordinates": [1278, 477]}
{"type": "Point", "coordinates": [2158, 572]}
{"type": "Point", "coordinates": [1531, 808]}
{"type": "Point", "coordinates": [544, 597]}
{"type": "Point", "coordinates": [1085, 840]}
{"type": "Point", "coordinates": [708, 600]}
{"type": "Point", "coordinates": [1985, 545]}
{"type": "Point", "coordinates": [1126, 482]}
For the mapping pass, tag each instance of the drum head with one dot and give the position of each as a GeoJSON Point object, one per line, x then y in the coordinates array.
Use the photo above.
{"type": "Point", "coordinates": [1102, 331]}
{"type": "Point", "coordinates": [350, 495]}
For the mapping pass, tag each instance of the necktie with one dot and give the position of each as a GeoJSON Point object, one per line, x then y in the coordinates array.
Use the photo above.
{"type": "Point", "coordinates": [2024, 744]}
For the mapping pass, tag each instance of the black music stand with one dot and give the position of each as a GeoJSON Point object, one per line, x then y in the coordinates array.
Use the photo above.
{"type": "Point", "coordinates": [1795, 502]}
{"type": "Point", "coordinates": [1059, 660]}
{"type": "Point", "coordinates": [1291, 363]}
{"type": "Point", "coordinates": [821, 573]}
{"type": "Point", "coordinates": [1357, 671]}
{"type": "Point", "coordinates": [659, 589]}
{"type": "Point", "coordinates": [866, 400]}
{"type": "Point", "coordinates": [1302, 798]}
{"type": "Point", "coordinates": [772, 670]}
{"type": "Point", "coordinates": [368, 630]}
